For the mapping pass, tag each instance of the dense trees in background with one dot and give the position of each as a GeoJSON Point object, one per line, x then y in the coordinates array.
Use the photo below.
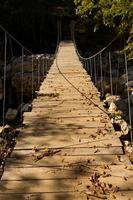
{"type": "Point", "coordinates": [114, 15]}
{"type": "Point", "coordinates": [34, 22]}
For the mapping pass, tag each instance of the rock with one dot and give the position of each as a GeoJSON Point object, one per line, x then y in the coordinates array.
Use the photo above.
{"type": "Point", "coordinates": [131, 97]}
{"type": "Point", "coordinates": [122, 124]}
{"type": "Point", "coordinates": [39, 64]}
{"type": "Point", "coordinates": [129, 149]}
{"type": "Point", "coordinates": [123, 78]}
{"type": "Point", "coordinates": [5, 130]}
{"type": "Point", "coordinates": [126, 143]}
{"type": "Point", "coordinates": [25, 107]}
{"type": "Point", "coordinates": [121, 104]}
{"type": "Point", "coordinates": [112, 98]}
{"type": "Point", "coordinates": [8, 133]}
{"type": "Point", "coordinates": [27, 83]}
{"type": "Point", "coordinates": [27, 67]}
{"type": "Point", "coordinates": [11, 114]}
{"type": "Point", "coordinates": [124, 127]}
{"type": "Point", "coordinates": [112, 108]}
{"type": "Point", "coordinates": [1, 142]}
{"type": "Point", "coordinates": [130, 84]}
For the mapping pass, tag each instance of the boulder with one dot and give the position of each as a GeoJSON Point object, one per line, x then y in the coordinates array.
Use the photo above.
{"type": "Point", "coordinates": [11, 114]}
{"type": "Point", "coordinates": [121, 104]}
{"type": "Point", "coordinates": [111, 98]}
{"type": "Point", "coordinates": [124, 127]}
{"type": "Point", "coordinates": [131, 97]}
{"type": "Point", "coordinates": [27, 82]}
{"type": "Point", "coordinates": [8, 133]}
{"type": "Point", "coordinates": [25, 107]}
{"type": "Point", "coordinates": [17, 64]}
{"type": "Point", "coordinates": [130, 84]}
{"type": "Point", "coordinates": [39, 64]}
{"type": "Point", "coordinates": [123, 78]}
{"type": "Point", "coordinates": [112, 108]}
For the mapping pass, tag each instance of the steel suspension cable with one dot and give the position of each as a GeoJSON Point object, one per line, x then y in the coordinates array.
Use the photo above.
{"type": "Point", "coordinates": [32, 77]}
{"type": "Point", "coordinates": [117, 77]}
{"type": "Point", "coordinates": [14, 39]}
{"type": "Point", "coordinates": [129, 103]}
{"type": "Point", "coordinates": [101, 71]}
{"type": "Point", "coordinates": [84, 95]}
{"type": "Point", "coordinates": [95, 75]}
{"type": "Point", "coordinates": [110, 68]}
{"type": "Point", "coordinates": [22, 80]}
{"type": "Point", "coordinates": [4, 92]}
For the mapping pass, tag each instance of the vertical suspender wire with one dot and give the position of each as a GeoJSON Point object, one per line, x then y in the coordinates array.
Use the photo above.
{"type": "Point", "coordinates": [110, 69]}
{"type": "Point", "coordinates": [129, 103]}
{"type": "Point", "coordinates": [92, 63]}
{"type": "Point", "coordinates": [117, 76]}
{"type": "Point", "coordinates": [22, 81]}
{"type": "Point", "coordinates": [38, 73]}
{"type": "Point", "coordinates": [90, 68]}
{"type": "Point", "coordinates": [95, 74]}
{"type": "Point", "coordinates": [10, 42]}
{"type": "Point", "coordinates": [96, 61]}
{"type": "Point", "coordinates": [32, 79]}
{"type": "Point", "coordinates": [4, 93]}
{"type": "Point", "coordinates": [101, 69]}
{"type": "Point", "coordinates": [46, 66]}
{"type": "Point", "coordinates": [43, 67]}
{"type": "Point", "coordinates": [87, 66]}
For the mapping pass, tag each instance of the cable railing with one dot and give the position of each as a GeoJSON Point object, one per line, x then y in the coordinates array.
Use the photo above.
{"type": "Point", "coordinates": [21, 73]}
{"type": "Point", "coordinates": [107, 71]}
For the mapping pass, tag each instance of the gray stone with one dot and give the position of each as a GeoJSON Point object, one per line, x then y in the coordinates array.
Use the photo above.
{"type": "Point", "coordinates": [123, 78]}
{"type": "Point", "coordinates": [112, 98]}
{"type": "Point", "coordinates": [131, 97]}
{"type": "Point", "coordinates": [11, 114]}
{"type": "Point", "coordinates": [25, 107]}
{"type": "Point", "coordinates": [112, 108]}
{"type": "Point", "coordinates": [124, 127]}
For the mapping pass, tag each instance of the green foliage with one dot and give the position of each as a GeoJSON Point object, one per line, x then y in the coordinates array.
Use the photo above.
{"type": "Point", "coordinates": [117, 14]}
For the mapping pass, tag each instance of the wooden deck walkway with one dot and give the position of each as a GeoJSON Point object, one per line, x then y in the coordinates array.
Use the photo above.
{"type": "Point", "coordinates": [67, 148]}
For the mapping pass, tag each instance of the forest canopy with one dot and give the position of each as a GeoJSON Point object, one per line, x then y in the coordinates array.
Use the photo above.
{"type": "Point", "coordinates": [34, 22]}
{"type": "Point", "coordinates": [113, 14]}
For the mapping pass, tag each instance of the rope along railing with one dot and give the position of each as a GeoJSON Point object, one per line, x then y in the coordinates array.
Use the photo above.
{"type": "Point", "coordinates": [21, 73]}
{"type": "Point", "coordinates": [107, 71]}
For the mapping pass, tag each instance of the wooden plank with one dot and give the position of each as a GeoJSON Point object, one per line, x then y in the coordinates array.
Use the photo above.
{"type": "Point", "coordinates": [44, 173]}
{"type": "Point", "coordinates": [66, 110]}
{"type": "Point", "coordinates": [24, 159]}
{"type": "Point", "coordinates": [65, 151]}
{"type": "Point", "coordinates": [68, 140]}
{"type": "Point", "coordinates": [82, 144]}
{"type": "Point", "coordinates": [65, 124]}
{"type": "Point", "coordinates": [64, 172]}
{"type": "Point", "coordinates": [31, 186]}
{"type": "Point", "coordinates": [44, 196]}
{"type": "Point", "coordinates": [53, 115]}
{"type": "Point", "coordinates": [58, 185]}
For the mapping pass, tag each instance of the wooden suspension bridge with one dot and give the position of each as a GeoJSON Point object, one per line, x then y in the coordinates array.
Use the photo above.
{"type": "Point", "coordinates": [67, 148]}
